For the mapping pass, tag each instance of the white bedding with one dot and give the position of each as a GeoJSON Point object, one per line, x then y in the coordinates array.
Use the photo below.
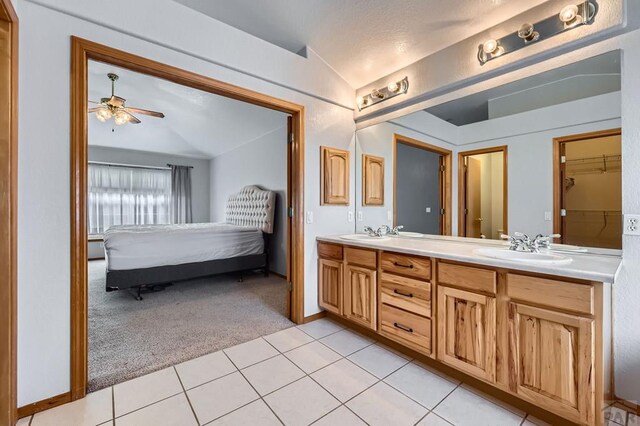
{"type": "Point", "coordinates": [146, 246]}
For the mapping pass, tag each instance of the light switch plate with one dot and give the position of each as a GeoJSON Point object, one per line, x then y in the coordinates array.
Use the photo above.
{"type": "Point", "coordinates": [389, 215]}
{"type": "Point", "coordinates": [631, 224]}
{"type": "Point", "coordinates": [428, 210]}
{"type": "Point", "coordinates": [350, 217]}
{"type": "Point", "coordinates": [309, 217]}
{"type": "Point", "coordinates": [547, 216]}
{"type": "Point", "coordinates": [360, 217]}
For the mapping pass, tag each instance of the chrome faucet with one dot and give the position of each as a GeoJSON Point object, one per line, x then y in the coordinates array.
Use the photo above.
{"type": "Point", "coordinates": [522, 242]}
{"type": "Point", "coordinates": [396, 230]}
{"type": "Point", "coordinates": [382, 230]}
{"type": "Point", "coordinates": [377, 233]}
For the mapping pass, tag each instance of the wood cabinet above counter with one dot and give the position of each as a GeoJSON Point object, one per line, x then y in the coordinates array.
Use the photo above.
{"type": "Point", "coordinates": [542, 338]}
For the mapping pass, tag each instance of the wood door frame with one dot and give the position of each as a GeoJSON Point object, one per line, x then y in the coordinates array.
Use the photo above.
{"type": "Point", "coordinates": [462, 191]}
{"type": "Point", "coordinates": [444, 183]}
{"type": "Point", "coordinates": [81, 52]}
{"type": "Point", "coordinates": [8, 211]}
{"type": "Point", "coordinates": [557, 170]}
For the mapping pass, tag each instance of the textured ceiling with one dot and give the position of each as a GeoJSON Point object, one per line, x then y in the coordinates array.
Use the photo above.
{"type": "Point", "coordinates": [196, 123]}
{"type": "Point", "coordinates": [363, 40]}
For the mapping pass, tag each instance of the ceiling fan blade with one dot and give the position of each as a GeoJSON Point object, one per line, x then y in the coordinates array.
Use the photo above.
{"type": "Point", "coordinates": [95, 109]}
{"type": "Point", "coordinates": [116, 101]}
{"type": "Point", "coordinates": [132, 118]}
{"type": "Point", "coordinates": [94, 102]}
{"type": "Point", "coordinates": [145, 112]}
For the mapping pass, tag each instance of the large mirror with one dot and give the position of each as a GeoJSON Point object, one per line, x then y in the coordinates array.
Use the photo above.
{"type": "Point", "coordinates": [540, 155]}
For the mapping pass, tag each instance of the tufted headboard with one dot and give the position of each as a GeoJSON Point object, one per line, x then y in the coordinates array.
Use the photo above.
{"type": "Point", "coordinates": [252, 206]}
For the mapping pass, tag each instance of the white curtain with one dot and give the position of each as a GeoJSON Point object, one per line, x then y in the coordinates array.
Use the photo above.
{"type": "Point", "coordinates": [127, 196]}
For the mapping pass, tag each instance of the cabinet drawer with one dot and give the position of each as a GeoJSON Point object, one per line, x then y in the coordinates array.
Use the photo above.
{"type": "Point", "coordinates": [406, 293]}
{"type": "Point", "coordinates": [552, 293]}
{"type": "Point", "coordinates": [366, 258]}
{"type": "Point", "coordinates": [413, 266]}
{"type": "Point", "coordinates": [406, 328]}
{"type": "Point", "coordinates": [467, 277]}
{"type": "Point", "coordinates": [330, 251]}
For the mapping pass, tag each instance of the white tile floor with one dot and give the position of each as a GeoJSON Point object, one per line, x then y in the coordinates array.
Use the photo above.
{"type": "Point", "coordinates": [317, 373]}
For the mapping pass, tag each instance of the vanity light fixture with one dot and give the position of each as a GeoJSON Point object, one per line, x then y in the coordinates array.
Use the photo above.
{"type": "Point", "coordinates": [569, 17]}
{"type": "Point", "coordinates": [393, 89]}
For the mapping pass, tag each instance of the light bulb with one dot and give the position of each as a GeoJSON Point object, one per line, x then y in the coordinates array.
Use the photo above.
{"type": "Point", "coordinates": [103, 115]}
{"type": "Point", "coordinates": [489, 46]}
{"type": "Point", "coordinates": [121, 118]}
{"type": "Point", "coordinates": [375, 93]}
{"type": "Point", "coordinates": [360, 100]}
{"type": "Point", "coordinates": [393, 87]}
{"type": "Point", "coordinates": [568, 13]}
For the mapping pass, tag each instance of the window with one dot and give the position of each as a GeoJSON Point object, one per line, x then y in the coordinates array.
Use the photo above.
{"type": "Point", "coordinates": [120, 195]}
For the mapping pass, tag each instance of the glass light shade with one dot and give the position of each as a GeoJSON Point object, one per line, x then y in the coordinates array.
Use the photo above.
{"type": "Point", "coordinates": [393, 87]}
{"type": "Point", "coordinates": [360, 100]}
{"type": "Point", "coordinates": [489, 46]}
{"type": "Point", "coordinates": [103, 115]}
{"type": "Point", "coordinates": [568, 13]}
{"type": "Point", "coordinates": [121, 118]}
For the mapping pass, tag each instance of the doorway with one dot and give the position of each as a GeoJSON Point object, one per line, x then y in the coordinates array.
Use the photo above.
{"type": "Point", "coordinates": [8, 208]}
{"type": "Point", "coordinates": [82, 52]}
{"type": "Point", "coordinates": [588, 189]}
{"type": "Point", "coordinates": [482, 198]}
{"type": "Point", "coordinates": [421, 186]}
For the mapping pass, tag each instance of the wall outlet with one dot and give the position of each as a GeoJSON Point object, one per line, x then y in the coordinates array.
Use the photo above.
{"type": "Point", "coordinates": [389, 215]}
{"type": "Point", "coordinates": [360, 217]}
{"type": "Point", "coordinates": [350, 217]}
{"type": "Point", "coordinates": [547, 216]}
{"type": "Point", "coordinates": [428, 210]}
{"type": "Point", "coordinates": [309, 217]}
{"type": "Point", "coordinates": [631, 224]}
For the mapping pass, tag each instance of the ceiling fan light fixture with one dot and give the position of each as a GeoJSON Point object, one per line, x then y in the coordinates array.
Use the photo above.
{"type": "Point", "coordinates": [121, 118]}
{"type": "Point", "coordinates": [103, 115]}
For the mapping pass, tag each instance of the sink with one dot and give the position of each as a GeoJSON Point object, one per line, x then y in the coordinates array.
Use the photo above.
{"type": "Point", "coordinates": [410, 234]}
{"type": "Point", "coordinates": [524, 256]}
{"type": "Point", "coordinates": [567, 248]}
{"type": "Point", "coordinates": [362, 237]}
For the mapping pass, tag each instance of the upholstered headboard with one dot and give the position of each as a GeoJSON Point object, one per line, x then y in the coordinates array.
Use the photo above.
{"type": "Point", "coordinates": [252, 206]}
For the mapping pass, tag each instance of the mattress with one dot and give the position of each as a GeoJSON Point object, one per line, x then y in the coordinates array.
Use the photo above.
{"type": "Point", "coordinates": [145, 246]}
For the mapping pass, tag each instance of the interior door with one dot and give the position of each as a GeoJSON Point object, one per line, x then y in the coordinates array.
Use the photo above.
{"type": "Point", "coordinates": [473, 198]}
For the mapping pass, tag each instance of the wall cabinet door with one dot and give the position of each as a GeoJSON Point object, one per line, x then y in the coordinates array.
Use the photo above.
{"type": "Point", "coordinates": [330, 276]}
{"type": "Point", "coordinates": [360, 295]}
{"type": "Point", "coordinates": [334, 170]}
{"type": "Point", "coordinates": [554, 360]}
{"type": "Point", "coordinates": [467, 332]}
{"type": "Point", "coordinates": [372, 180]}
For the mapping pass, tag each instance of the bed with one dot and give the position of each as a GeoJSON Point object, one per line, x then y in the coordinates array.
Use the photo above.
{"type": "Point", "coordinates": [143, 256]}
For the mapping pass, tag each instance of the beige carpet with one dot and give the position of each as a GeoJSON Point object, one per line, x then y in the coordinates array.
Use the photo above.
{"type": "Point", "coordinates": [129, 338]}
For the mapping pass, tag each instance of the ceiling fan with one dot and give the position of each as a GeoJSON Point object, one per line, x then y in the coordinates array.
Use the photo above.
{"type": "Point", "coordinates": [115, 107]}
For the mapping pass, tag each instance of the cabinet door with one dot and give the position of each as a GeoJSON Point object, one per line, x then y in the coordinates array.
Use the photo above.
{"type": "Point", "coordinates": [554, 359]}
{"type": "Point", "coordinates": [334, 169]}
{"type": "Point", "coordinates": [467, 332]}
{"type": "Point", "coordinates": [372, 180]}
{"type": "Point", "coordinates": [360, 295]}
{"type": "Point", "coordinates": [330, 285]}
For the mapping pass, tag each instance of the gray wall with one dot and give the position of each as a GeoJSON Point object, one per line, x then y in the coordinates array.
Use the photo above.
{"type": "Point", "coordinates": [416, 189]}
{"type": "Point", "coordinates": [199, 178]}
{"type": "Point", "coordinates": [262, 162]}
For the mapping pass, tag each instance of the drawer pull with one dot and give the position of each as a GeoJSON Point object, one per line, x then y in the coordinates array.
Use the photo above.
{"type": "Point", "coordinates": [402, 327]}
{"type": "Point", "coordinates": [396, 291]}
{"type": "Point", "coordinates": [402, 265]}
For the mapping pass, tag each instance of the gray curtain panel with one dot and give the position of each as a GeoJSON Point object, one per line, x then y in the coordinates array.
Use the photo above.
{"type": "Point", "coordinates": [181, 194]}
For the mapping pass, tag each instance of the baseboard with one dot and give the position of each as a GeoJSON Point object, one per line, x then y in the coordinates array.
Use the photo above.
{"type": "Point", "coordinates": [45, 404]}
{"type": "Point", "coordinates": [284, 277]}
{"type": "Point", "coordinates": [314, 317]}
{"type": "Point", "coordinates": [629, 406]}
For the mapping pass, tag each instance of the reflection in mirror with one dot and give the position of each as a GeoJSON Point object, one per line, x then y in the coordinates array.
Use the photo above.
{"type": "Point", "coordinates": [540, 155]}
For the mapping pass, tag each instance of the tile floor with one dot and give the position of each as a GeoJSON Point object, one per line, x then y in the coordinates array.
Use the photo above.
{"type": "Point", "coordinates": [318, 373]}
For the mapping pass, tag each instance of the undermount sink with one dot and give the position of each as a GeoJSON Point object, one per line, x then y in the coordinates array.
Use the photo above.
{"type": "Point", "coordinates": [363, 237]}
{"type": "Point", "coordinates": [410, 234]}
{"type": "Point", "coordinates": [524, 256]}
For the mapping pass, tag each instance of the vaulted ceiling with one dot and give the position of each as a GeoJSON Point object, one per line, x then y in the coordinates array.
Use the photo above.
{"type": "Point", "coordinates": [196, 124]}
{"type": "Point", "coordinates": [363, 40]}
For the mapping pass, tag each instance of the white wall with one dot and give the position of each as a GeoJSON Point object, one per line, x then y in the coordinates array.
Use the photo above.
{"type": "Point", "coordinates": [529, 138]}
{"type": "Point", "coordinates": [261, 162]}
{"type": "Point", "coordinates": [199, 173]}
{"type": "Point", "coordinates": [44, 179]}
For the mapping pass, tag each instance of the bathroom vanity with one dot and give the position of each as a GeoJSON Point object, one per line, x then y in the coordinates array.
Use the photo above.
{"type": "Point", "coordinates": [539, 331]}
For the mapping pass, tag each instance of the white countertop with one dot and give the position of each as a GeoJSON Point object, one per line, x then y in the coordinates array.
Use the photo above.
{"type": "Point", "coordinates": [602, 266]}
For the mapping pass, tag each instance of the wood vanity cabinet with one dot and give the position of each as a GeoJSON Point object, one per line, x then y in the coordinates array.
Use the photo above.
{"type": "Point", "coordinates": [543, 339]}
